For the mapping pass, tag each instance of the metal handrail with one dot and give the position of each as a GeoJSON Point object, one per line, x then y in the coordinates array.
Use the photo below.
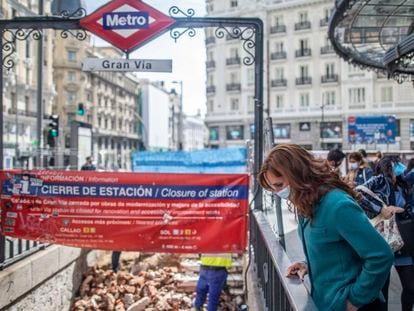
{"type": "Point", "coordinates": [271, 263]}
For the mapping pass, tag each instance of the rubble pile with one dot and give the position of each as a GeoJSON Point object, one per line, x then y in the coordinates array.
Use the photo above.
{"type": "Point", "coordinates": [156, 283]}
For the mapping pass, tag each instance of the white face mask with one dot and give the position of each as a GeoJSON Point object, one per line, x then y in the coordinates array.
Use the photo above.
{"type": "Point", "coordinates": [284, 193]}
{"type": "Point", "coordinates": [353, 166]}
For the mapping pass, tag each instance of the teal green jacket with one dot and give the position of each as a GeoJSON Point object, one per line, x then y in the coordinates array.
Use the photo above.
{"type": "Point", "coordinates": [347, 258]}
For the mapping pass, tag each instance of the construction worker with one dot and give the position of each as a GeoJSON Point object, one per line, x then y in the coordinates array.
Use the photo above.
{"type": "Point", "coordinates": [212, 279]}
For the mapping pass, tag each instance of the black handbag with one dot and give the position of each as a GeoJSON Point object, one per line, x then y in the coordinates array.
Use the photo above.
{"type": "Point", "coordinates": [405, 222]}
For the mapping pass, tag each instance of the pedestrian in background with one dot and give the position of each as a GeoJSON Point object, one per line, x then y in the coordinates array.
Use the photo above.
{"type": "Point", "coordinates": [358, 171]}
{"type": "Point", "coordinates": [88, 166]}
{"type": "Point", "coordinates": [390, 186]}
{"type": "Point", "coordinates": [335, 158]}
{"type": "Point", "coordinates": [366, 159]}
{"type": "Point", "coordinates": [212, 279]}
{"type": "Point", "coordinates": [347, 260]}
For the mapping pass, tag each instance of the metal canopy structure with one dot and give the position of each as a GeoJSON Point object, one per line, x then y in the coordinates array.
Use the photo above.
{"type": "Point", "coordinates": [371, 33]}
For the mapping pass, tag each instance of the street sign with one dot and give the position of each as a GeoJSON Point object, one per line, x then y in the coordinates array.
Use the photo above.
{"type": "Point", "coordinates": [127, 24]}
{"type": "Point", "coordinates": [142, 65]}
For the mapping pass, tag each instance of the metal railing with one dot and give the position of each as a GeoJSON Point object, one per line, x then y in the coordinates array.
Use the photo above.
{"type": "Point", "coordinates": [303, 80]}
{"type": "Point", "coordinates": [303, 25]}
{"type": "Point", "coordinates": [329, 78]}
{"type": "Point", "coordinates": [278, 55]}
{"type": "Point", "coordinates": [211, 89]}
{"type": "Point", "coordinates": [327, 49]}
{"type": "Point", "coordinates": [303, 52]}
{"type": "Point", "coordinates": [279, 83]}
{"type": "Point", "coordinates": [210, 64]}
{"type": "Point", "coordinates": [278, 29]}
{"type": "Point", "coordinates": [271, 263]}
{"type": "Point", "coordinates": [13, 250]}
{"type": "Point", "coordinates": [233, 87]}
{"type": "Point", "coordinates": [233, 61]}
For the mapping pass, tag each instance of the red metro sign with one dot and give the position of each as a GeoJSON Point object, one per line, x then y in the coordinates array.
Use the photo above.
{"type": "Point", "coordinates": [127, 24]}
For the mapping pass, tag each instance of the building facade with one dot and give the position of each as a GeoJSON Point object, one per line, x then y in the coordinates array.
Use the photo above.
{"type": "Point", "coordinates": [194, 133]}
{"type": "Point", "coordinates": [20, 90]}
{"type": "Point", "coordinates": [109, 102]}
{"type": "Point", "coordinates": [309, 91]}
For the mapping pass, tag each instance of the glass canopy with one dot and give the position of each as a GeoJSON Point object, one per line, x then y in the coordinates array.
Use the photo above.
{"type": "Point", "coordinates": [368, 33]}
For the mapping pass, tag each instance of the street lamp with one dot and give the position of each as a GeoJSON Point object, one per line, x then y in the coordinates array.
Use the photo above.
{"type": "Point", "coordinates": [321, 126]}
{"type": "Point", "coordinates": [180, 116]}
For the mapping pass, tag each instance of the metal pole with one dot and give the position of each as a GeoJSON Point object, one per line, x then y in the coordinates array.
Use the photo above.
{"type": "Point", "coordinates": [2, 238]}
{"type": "Point", "coordinates": [39, 98]}
{"type": "Point", "coordinates": [180, 119]}
{"type": "Point", "coordinates": [321, 127]}
{"type": "Point", "coordinates": [258, 112]}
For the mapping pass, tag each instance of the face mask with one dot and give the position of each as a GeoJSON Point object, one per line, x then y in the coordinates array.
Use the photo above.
{"type": "Point", "coordinates": [399, 169]}
{"type": "Point", "coordinates": [284, 193]}
{"type": "Point", "coordinates": [353, 166]}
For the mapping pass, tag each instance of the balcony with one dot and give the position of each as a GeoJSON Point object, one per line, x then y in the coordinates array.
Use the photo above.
{"type": "Point", "coordinates": [332, 78]}
{"type": "Point", "coordinates": [211, 64]}
{"type": "Point", "coordinates": [278, 55]}
{"type": "Point", "coordinates": [303, 53]}
{"type": "Point", "coordinates": [231, 37]}
{"type": "Point", "coordinates": [278, 29]}
{"type": "Point", "coordinates": [303, 25]}
{"type": "Point", "coordinates": [211, 89]}
{"type": "Point", "coordinates": [303, 81]}
{"type": "Point", "coordinates": [210, 40]}
{"type": "Point", "coordinates": [23, 112]}
{"type": "Point", "coordinates": [327, 49]}
{"type": "Point", "coordinates": [233, 87]}
{"type": "Point", "coordinates": [233, 61]}
{"type": "Point", "coordinates": [279, 83]}
{"type": "Point", "coordinates": [324, 22]}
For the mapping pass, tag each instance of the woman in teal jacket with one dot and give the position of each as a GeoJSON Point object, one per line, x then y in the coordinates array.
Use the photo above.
{"type": "Point", "coordinates": [347, 260]}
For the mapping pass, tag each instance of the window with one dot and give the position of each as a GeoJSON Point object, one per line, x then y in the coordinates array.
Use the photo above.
{"type": "Point", "coordinates": [234, 78]}
{"type": "Point", "coordinates": [210, 80]}
{"type": "Point", "coordinates": [279, 74]}
{"type": "Point", "coordinates": [214, 133]}
{"type": "Point", "coordinates": [234, 53]}
{"type": "Point", "coordinates": [303, 17]}
{"type": "Point", "coordinates": [27, 103]}
{"type": "Point", "coordinates": [233, 3]}
{"type": "Point", "coordinates": [386, 94]}
{"type": "Point", "coordinates": [304, 100]}
{"type": "Point", "coordinates": [250, 104]}
{"type": "Point", "coordinates": [28, 76]}
{"type": "Point", "coordinates": [281, 131]}
{"type": "Point", "coordinates": [328, 98]}
{"type": "Point", "coordinates": [72, 56]}
{"type": "Point", "coordinates": [330, 69]}
{"type": "Point", "coordinates": [27, 48]}
{"type": "Point", "coordinates": [327, 14]}
{"type": "Point", "coordinates": [279, 102]}
{"type": "Point", "coordinates": [279, 47]}
{"type": "Point", "coordinates": [304, 71]}
{"type": "Point", "coordinates": [234, 132]}
{"type": "Point", "coordinates": [303, 44]}
{"type": "Point", "coordinates": [234, 104]}
{"type": "Point", "coordinates": [71, 76]}
{"type": "Point", "coordinates": [331, 129]}
{"type": "Point", "coordinates": [250, 76]}
{"type": "Point", "coordinates": [356, 95]}
{"type": "Point", "coordinates": [411, 128]}
{"type": "Point", "coordinates": [210, 105]}
{"type": "Point", "coordinates": [278, 20]}
{"type": "Point", "coordinates": [71, 97]}
{"type": "Point", "coordinates": [210, 56]}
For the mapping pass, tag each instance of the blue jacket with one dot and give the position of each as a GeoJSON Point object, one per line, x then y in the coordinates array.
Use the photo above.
{"type": "Point", "coordinates": [347, 258]}
{"type": "Point", "coordinates": [363, 175]}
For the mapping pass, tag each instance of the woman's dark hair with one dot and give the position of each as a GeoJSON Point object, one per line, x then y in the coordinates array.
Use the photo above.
{"type": "Point", "coordinates": [309, 178]}
{"type": "Point", "coordinates": [410, 165]}
{"type": "Point", "coordinates": [385, 166]}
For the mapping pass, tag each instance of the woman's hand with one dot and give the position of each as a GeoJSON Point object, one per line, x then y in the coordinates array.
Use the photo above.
{"type": "Point", "coordinates": [350, 306]}
{"type": "Point", "coordinates": [298, 269]}
{"type": "Point", "coordinates": [388, 211]}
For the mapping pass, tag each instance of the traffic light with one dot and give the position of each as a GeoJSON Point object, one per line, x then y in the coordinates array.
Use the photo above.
{"type": "Point", "coordinates": [54, 126]}
{"type": "Point", "coordinates": [81, 109]}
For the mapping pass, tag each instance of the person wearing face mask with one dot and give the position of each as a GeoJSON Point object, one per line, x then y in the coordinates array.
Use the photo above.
{"type": "Point", "coordinates": [390, 186]}
{"type": "Point", "coordinates": [347, 260]}
{"type": "Point", "coordinates": [359, 172]}
{"type": "Point", "coordinates": [335, 158]}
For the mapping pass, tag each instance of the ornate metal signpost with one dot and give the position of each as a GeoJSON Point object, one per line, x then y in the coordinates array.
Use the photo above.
{"type": "Point", "coordinates": [128, 24]}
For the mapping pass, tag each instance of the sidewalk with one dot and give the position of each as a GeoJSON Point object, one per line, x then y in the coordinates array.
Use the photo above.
{"type": "Point", "coordinates": [295, 253]}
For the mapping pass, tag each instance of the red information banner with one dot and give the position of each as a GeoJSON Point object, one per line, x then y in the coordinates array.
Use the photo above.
{"type": "Point", "coordinates": [172, 213]}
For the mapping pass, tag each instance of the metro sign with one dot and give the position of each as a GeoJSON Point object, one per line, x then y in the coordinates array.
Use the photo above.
{"type": "Point", "coordinates": [127, 24]}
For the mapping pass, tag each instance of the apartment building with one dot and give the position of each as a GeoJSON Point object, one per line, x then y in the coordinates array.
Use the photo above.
{"type": "Point", "coordinates": [309, 91]}
{"type": "Point", "coordinates": [109, 100]}
{"type": "Point", "coordinates": [20, 88]}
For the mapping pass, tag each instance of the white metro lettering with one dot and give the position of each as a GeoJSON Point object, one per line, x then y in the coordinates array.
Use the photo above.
{"type": "Point", "coordinates": [125, 20]}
